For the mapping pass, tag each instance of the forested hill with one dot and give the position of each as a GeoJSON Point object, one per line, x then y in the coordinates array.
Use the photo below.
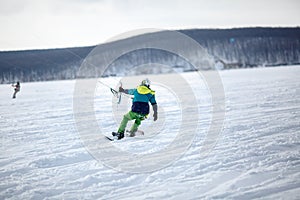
{"type": "Point", "coordinates": [234, 48]}
{"type": "Point", "coordinates": [249, 47]}
{"type": "Point", "coordinates": [41, 65]}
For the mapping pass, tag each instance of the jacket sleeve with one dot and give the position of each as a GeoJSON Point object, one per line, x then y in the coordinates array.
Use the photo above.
{"type": "Point", "coordinates": [131, 91]}
{"type": "Point", "coordinates": [152, 100]}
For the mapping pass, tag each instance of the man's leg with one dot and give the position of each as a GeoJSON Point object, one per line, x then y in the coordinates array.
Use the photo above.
{"type": "Point", "coordinates": [126, 118]}
{"type": "Point", "coordinates": [134, 127]}
{"type": "Point", "coordinates": [138, 119]}
{"type": "Point", "coordinates": [14, 95]}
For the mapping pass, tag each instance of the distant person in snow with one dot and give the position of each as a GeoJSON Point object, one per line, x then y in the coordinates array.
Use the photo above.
{"type": "Point", "coordinates": [17, 88]}
{"type": "Point", "coordinates": [140, 108]}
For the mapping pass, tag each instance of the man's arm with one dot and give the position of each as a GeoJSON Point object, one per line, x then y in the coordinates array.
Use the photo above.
{"type": "Point", "coordinates": [126, 91]}
{"type": "Point", "coordinates": [154, 106]}
{"type": "Point", "coordinates": [123, 90]}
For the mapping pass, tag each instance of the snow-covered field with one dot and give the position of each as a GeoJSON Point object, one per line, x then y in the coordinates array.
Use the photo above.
{"type": "Point", "coordinates": [257, 153]}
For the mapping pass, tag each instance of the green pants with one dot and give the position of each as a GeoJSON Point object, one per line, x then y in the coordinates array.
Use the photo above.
{"type": "Point", "coordinates": [131, 116]}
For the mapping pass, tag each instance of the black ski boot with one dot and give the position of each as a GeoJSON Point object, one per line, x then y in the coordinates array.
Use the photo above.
{"type": "Point", "coordinates": [119, 136]}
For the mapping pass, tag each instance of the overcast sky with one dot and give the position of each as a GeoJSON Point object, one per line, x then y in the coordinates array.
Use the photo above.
{"type": "Point", "coordinates": [36, 24]}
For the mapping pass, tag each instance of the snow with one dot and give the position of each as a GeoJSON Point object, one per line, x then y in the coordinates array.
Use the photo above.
{"type": "Point", "coordinates": [45, 156]}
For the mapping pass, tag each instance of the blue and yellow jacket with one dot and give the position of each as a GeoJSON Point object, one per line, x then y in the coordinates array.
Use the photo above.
{"type": "Point", "coordinates": [142, 96]}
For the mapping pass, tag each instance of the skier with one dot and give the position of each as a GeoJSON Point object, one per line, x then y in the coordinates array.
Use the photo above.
{"type": "Point", "coordinates": [139, 109]}
{"type": "Point", "coordinates": [17, 89]}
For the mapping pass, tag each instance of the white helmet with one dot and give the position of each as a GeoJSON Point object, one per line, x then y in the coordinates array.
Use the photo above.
{"type": "Point", "coordinates": [146, 82]}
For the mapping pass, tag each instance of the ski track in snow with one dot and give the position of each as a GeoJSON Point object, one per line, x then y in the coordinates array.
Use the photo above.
{"type": "Point", "coordinates": [257, 154]}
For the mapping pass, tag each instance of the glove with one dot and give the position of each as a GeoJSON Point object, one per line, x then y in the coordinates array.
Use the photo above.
{"type": "Point", "coordinates": [121, 89]}
{"type": "Point", "coordinates": [155, 112]}
{"type": "Point", "coordinates": [155, 116]}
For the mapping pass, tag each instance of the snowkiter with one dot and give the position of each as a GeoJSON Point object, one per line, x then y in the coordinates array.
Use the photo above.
{"type": "Point", "coordinates": [142, 95]}
{"type": "Point", "coordinates": [17, 88]}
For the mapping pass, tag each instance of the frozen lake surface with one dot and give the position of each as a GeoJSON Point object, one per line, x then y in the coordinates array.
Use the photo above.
{"type": "Point", "coordinates": [256, 155]}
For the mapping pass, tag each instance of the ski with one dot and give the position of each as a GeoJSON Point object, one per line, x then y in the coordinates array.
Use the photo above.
{"type": "Point", "coordinates": [128, 134]}
{"type": "Point", "coordinates": [110, 139]}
